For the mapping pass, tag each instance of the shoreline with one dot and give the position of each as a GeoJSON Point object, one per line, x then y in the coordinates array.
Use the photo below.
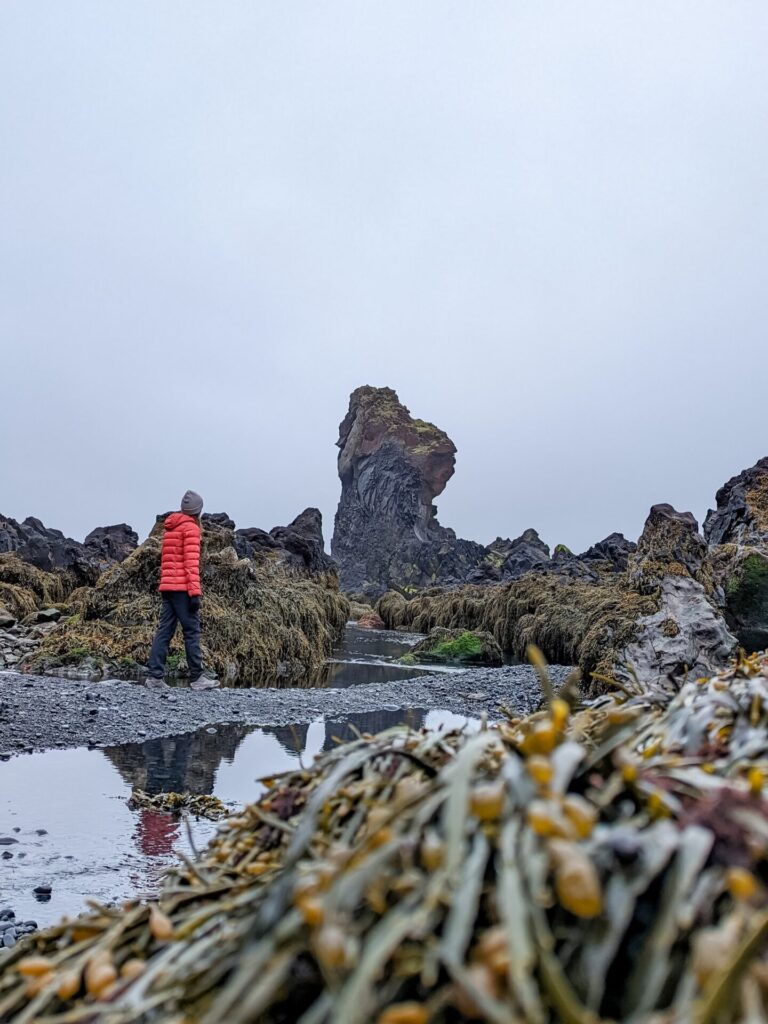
{"type": "Point", "coordinates": [48, 712]}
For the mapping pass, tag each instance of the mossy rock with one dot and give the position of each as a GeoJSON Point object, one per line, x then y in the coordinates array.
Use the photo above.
{"type": "Point", "coordinates": [747, 602]}
{"type": "Point", "coordinates": [456, 647]}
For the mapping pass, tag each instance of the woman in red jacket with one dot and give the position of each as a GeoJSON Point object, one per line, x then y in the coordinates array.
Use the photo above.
{"type": "Point", "coordinates": [180, 591]}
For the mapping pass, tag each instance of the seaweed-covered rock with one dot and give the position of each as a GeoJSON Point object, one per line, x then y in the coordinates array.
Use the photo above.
{"type": "Point", "coordinates": [262, 617]}
{"type": "Point", "coordinates": [456, 647]}
{"type": "Point", "coordinates": [392, 467]}
{"type": "Point", "coordinates": [656, 619]}
{"type": "Point", "coordinates": [24, 588]}
{"type": "Point", "coordinates": [738, 534]}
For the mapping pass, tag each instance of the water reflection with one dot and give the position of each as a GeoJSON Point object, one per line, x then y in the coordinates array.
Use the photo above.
{"type": "Point", "coordinates": [94, 846]}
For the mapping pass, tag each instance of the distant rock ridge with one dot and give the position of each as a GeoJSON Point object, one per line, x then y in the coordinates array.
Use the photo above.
{"type": "Point", "coordinates": [51, 551]}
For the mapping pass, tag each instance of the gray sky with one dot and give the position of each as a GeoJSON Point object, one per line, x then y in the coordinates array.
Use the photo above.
{"type": "Point", "coordinates": [543, 223]}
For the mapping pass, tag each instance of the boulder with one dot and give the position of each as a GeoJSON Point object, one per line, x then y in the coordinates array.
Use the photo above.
{"type": "Point", "coordinates": [48, 615]}
{"type": "Point", "coordinates": [110, 544]}
{"type": "Point", "coordinates": [392, 467]}
{"type": "Point", "coordinates": [455, 647]}
{"type": "Point", "coordinates": [6, 619]}
{"type": "Point", "coordinates": [371, 620]}
{"type": "Point", "coordinates": [524, 554]}
{"type": "Point", "coordinates": [741, 516]}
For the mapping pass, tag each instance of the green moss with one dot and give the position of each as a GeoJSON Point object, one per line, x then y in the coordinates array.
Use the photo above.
{"type": "Point", "coordinates": [468, 645]}
{"type": "Point", "coordinates": [562, 549]}
{"type": "Point", "coordinates": [751, 579]}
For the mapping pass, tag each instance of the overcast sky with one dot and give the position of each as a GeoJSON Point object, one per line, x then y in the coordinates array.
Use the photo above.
{"type": "Point", "coordinates": [543, 223]}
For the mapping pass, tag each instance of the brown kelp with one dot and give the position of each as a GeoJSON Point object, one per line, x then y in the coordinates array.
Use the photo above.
{"type": "Point", "coordinates": [604, 864]}
{"type": "Point", "coordinates": [199, 805]}
{"type": "Point", "coordinates": [24, 588]}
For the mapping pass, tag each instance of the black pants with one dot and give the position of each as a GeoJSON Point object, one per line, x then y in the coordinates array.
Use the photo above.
{"type": "Point", "coordinates": [176, 610]}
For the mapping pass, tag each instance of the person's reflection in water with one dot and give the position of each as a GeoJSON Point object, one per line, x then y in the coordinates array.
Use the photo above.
{"type": "Point", "coordinates": [186, 763]}
{"type": "Point", "coordinates": [156, 832]}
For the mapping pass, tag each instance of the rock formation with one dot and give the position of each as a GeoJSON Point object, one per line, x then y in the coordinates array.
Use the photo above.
{"type": "Point", "coordinates": [392, 467]}
{"type": "Point", "coordinates": [686, 632]}
{"type": "Point", "coordinates": [737, 531]}
{"type": "Point", "coordinates": [51, 551]}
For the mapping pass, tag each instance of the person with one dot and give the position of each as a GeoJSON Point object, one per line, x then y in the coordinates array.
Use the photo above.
{"type": "Point", "coordinates": [180, 591]}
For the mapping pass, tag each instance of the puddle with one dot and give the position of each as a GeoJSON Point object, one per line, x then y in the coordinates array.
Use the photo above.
{"type": "Point", "coordinates": [68, 814]}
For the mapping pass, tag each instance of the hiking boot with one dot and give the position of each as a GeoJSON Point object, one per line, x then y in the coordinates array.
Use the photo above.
{"type": "Point", "coordinates": [206, 681]}
{"type": "Point", "coordinates": [152, 683]}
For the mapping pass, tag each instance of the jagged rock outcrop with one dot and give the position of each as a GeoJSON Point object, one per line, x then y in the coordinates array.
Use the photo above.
{"type": "Point", "coordinates": [301, 543]}
{"type": "Point", "coordinates": [507, 559]}
{"type": "Point", "coordinates": [737, 531]}
{"type": "Point", "coordinates": [392, 467]}
{"type": "Point", "coordinates": [51, 551]}
{"type": "Point", "coordinates": [686, 632]}
{"type": "Point", "coordinates": [265, 617]}
{"type": "Point", "coordinates": [614, 551]}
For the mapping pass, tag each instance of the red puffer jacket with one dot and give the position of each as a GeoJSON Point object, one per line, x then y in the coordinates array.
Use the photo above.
{"type": "Point", "coordinates": [180, 558]}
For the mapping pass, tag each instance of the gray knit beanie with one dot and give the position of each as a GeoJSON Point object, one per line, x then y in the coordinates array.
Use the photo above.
{"type": "Point", "coordinates": [192, 503]}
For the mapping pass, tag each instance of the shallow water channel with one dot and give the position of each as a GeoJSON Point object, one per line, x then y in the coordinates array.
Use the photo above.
{"type": "Point", "coordinates": [64, 816]}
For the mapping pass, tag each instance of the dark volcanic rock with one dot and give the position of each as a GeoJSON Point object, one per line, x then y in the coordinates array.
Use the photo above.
{"type": "Point", "coordinates": [526, 552]}
{"type": "Point", "coordinates": [741, 516]}
{"type": "Point", "coordinates": [252, 539]}
{"type": "Point", "coordinates": [51, 551]}
{"type": "Point", "coordinates": [669, 544]}
{"type": "Point", "coordinates": [303, 540]}
{"type": "Point", "coordinates": [392, 467]}
{"type": "Point", "coordinates": [687, 632]}
{"type": "Point", "coordinates": [110, 544]}
{"type": "Point", "coordinates": [615, 550]}
{"type": "Point", "coordinates": [738, 535]}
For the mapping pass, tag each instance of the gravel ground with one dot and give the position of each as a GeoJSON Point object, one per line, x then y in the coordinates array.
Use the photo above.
{"type": "Point", "coordinates": [42, 712]}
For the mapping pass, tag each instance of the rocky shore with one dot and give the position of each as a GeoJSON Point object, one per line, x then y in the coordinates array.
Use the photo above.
{"type": "Point", "coordinates": [39, 713]}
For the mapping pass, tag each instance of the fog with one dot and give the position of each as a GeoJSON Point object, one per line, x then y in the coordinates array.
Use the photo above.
{"type": "Point", "coordinates": [543, 223]}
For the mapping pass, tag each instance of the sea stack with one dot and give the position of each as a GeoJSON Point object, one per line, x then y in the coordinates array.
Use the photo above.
{"type": "Point", "coordinates": [392, 467]}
